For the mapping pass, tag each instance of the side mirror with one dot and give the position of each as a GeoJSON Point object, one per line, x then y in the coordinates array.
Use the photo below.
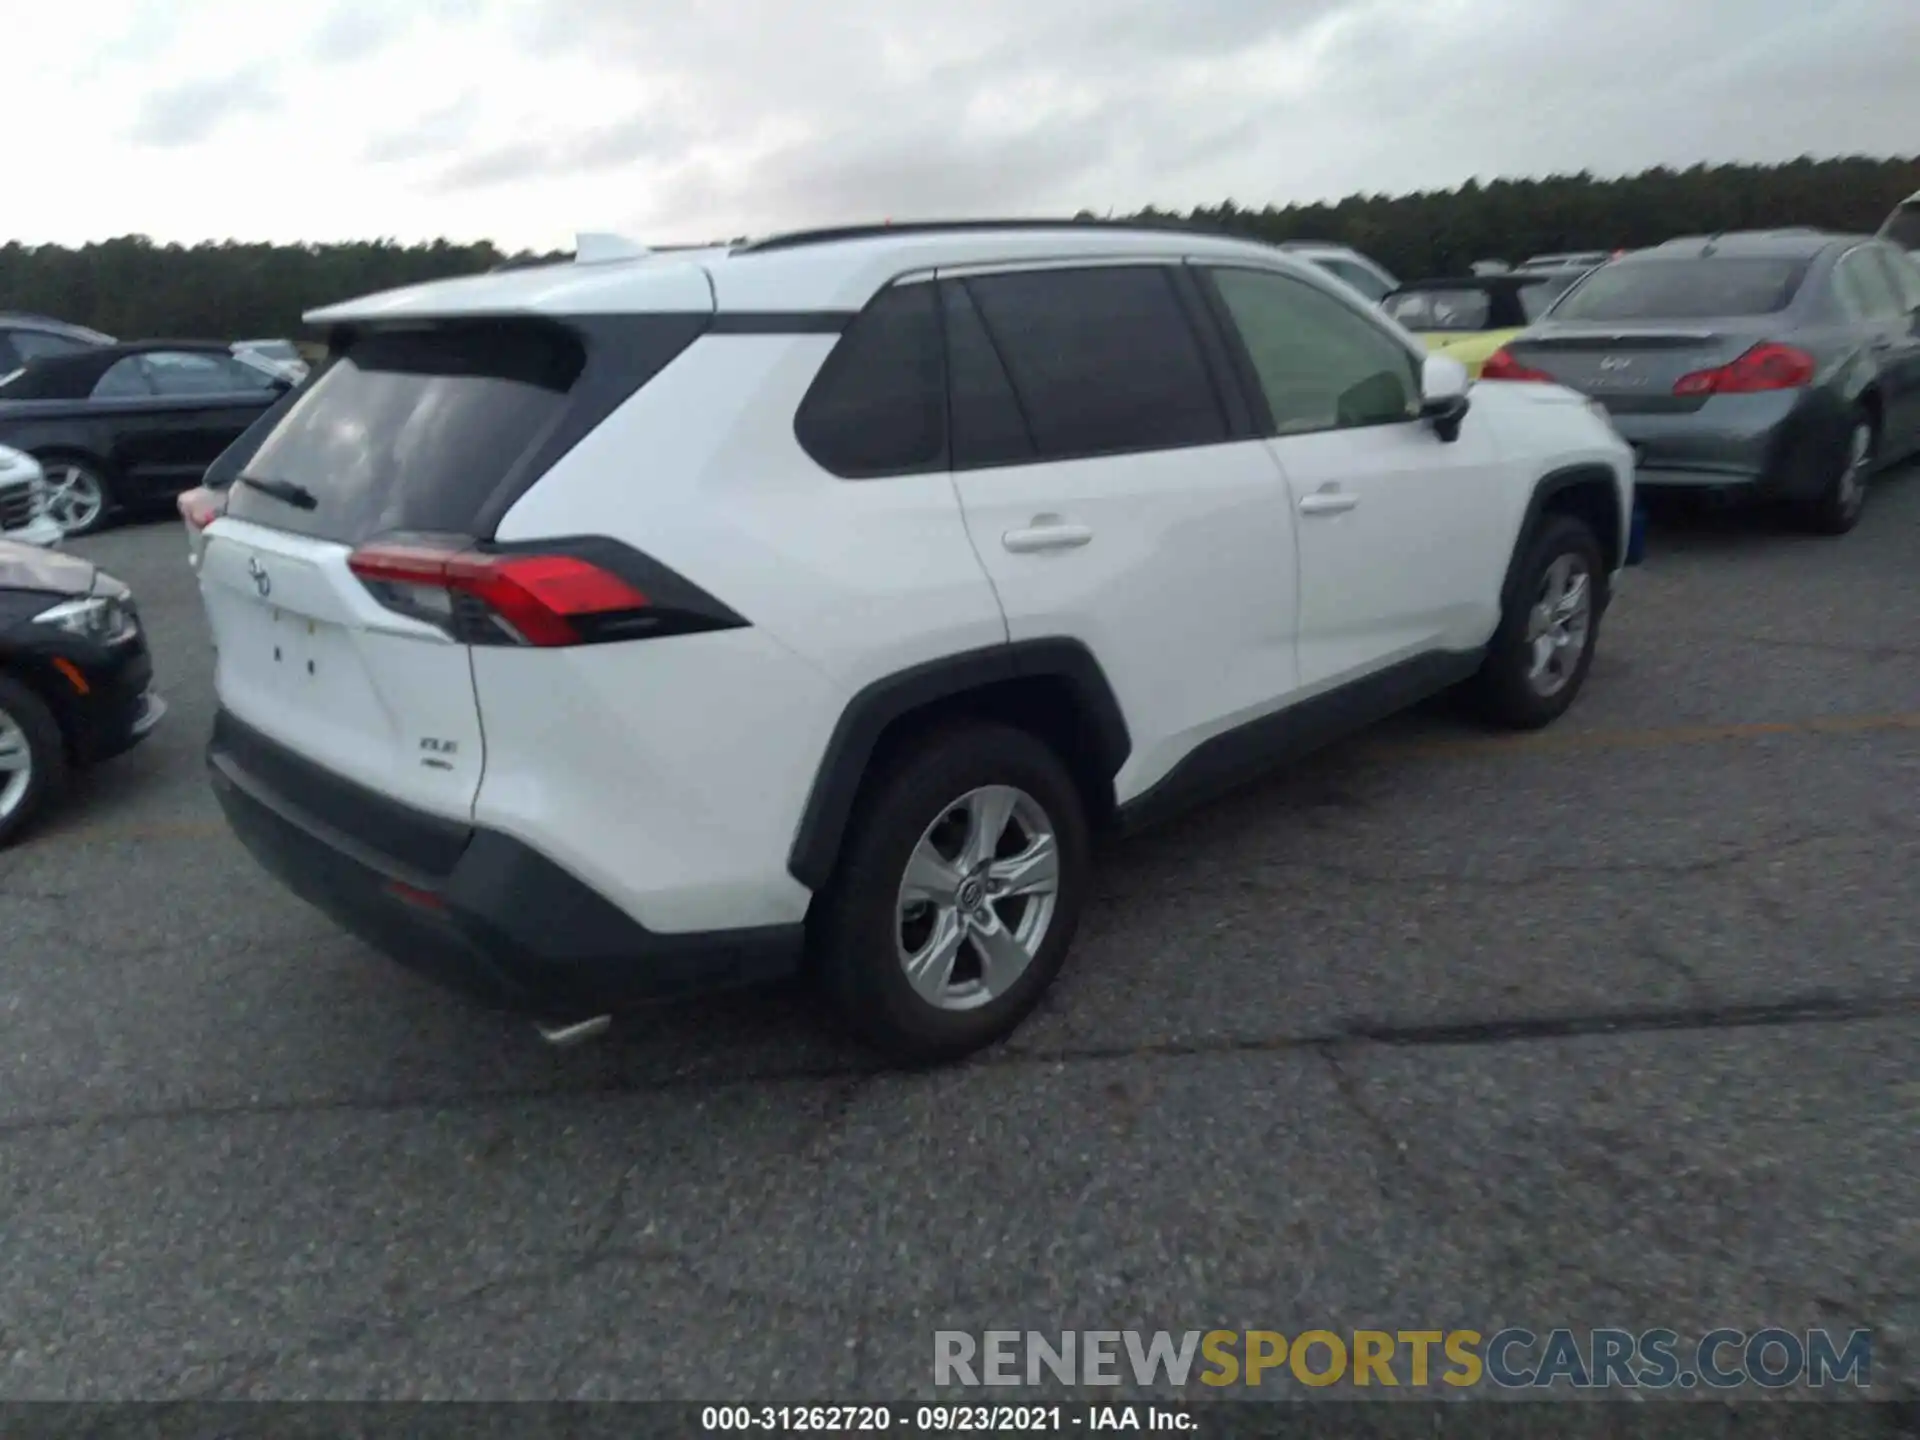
{"type": "Point", "coordinates": [1444, 383]}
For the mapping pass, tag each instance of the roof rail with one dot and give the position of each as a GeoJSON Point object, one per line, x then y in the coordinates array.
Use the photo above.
{"type": "Point", "coordinates": [798, 238]}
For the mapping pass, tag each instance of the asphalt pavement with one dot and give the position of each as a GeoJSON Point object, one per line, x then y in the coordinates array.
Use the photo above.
{"type": "Point", "coordinates": [1615, 1025]}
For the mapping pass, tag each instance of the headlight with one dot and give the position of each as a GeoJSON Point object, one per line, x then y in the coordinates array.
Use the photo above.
{"type": "Point", "coordinates": [99, 618]}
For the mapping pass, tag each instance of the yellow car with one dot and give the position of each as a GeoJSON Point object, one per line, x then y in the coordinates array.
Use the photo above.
{"type": "Point", "coordinates": [1472, 316]}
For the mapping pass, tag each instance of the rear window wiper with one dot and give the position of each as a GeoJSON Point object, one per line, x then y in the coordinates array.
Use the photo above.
{"type": "Point", "coordinates": [285, 491]}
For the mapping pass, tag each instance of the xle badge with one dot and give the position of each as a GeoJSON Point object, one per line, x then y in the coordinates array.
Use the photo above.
{"type": "Point", "coordinates": [436, 751]}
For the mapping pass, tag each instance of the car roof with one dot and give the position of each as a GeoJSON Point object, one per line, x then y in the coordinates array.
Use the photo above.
{"type": "Point", "coordinates": [1795, 243]}
{"type": "Point", "coordinates": [1505, 280]}
{"type": "Point", "coordinates": [807, 271]}
{"type": "Point", "coordinates": [71, 377]}
{"type": "Point", "coordinates": [27, 320]}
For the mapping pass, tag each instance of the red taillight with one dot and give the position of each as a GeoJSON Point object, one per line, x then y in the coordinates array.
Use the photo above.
{"type": "Point", "coordinates": [541, 600]}
{"type": "Point", "coordinates": [1764, 367]}
{"type": "Point", "coordinates": [200, 507]}
{"type": "Point", "coordinates": [1502, 366]}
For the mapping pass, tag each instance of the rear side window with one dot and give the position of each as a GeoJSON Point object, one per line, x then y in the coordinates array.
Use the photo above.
{"type": "Point", "coordinates": [1867, 288]}
{"type": "Point", "coordinates": [415, 429]}
{"type": "Point", "coordinates": [878, 406]}
{"type": "Point", "coordinates": [1695, 288]}
{"type": "Point", "coordinates": [125, 379]}
{"type": "Point", "coordinates": [1466, 309]}
{"type": "Point", "coordinates": [988, 428]}
{"type": "Point", "coordinates": [1906, 277]}
{"type": "Point", "coordinates": [1903, 226]}
{"type": "Point", "coordinates": [1358, 276]}
{"type": "Point", "coordinates": [1102, 361]}
{"type": "Point", "coordinates": [1535, 298]}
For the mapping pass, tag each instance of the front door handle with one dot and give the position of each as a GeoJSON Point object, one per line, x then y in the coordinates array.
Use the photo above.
{"type": "Point", "coordinates": [1328, 502]}
{"type": "Point", "coordinates": [1046, 533]}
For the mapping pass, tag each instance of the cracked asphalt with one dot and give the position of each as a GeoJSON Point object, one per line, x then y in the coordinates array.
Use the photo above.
{"type": "Point", "coordinates": [1612, 1026]}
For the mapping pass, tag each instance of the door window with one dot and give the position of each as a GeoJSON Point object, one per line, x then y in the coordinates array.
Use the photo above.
{"type": "Point", "coordinates": [1906, 277]}
{"type": "Point", "coordinates": [1101, 361]}
{"type": "Point", "coordinates": [125, 379]}
{"type": "Point", "coordinates": [1867, 289]}
{"type": "Point", "coordinates": [1319, 363]}
{"type": "Point", "coordinates": [1358, 276]}
{"type": "Point", "coordinates": [186, 373]}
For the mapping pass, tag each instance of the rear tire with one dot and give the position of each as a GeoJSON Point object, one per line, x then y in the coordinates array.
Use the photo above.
{"type": "Point", "coordinates": [1843, 496]}
{"type": "Point", "coordinates": [1540, 655]}
{"type": "Point", "coordinates": [33, 758]}
{"type": "Point", "coordinates": [957, 895]}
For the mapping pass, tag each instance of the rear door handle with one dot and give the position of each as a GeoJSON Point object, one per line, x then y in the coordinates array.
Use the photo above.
{"type": "Point", "coordinates": [1046, 534]}
{"type": "Point", "coordinates": [1328, 502]}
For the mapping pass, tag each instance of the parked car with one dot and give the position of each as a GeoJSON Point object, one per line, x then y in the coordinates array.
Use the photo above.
{"type": "Point", "coordinates": [76, 679]}
{"type": "Point", "coordinates": [1073, 539]}
{"type": "Point", "coordinates": [33, 337]}
{"type": "Point", "coordinates": [1903, 225]}
{"type": "Point", "coordinates": [24, 518]}
{"type": "Point", "coordinates": [1368, 276]}
{"type": "Point", "coordinates": [120, 428]}
{"type": "Point", "coordinates": [1471, 317]}
{"type": "Point", "coordinates": [1570, 260]}
{"type": "Point", "coordinates": [1780, 364]}
{"type": "Point", "coordinates": [282, 356]}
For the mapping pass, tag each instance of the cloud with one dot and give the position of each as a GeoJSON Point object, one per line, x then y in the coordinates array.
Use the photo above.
{"type": "Point", "coordinates": [432, 134]}
{"type": "Point", "coordinates": [354, 31]}
{"type": "Point", "coordinates": [190, 113]}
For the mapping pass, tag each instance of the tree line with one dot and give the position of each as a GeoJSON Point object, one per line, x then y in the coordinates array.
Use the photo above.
{"type": "Point", "coordinates": [131, 286]}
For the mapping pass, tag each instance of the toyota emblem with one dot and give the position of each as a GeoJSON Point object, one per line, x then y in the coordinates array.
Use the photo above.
{"type": "Point", "coordinates": [261, 580]}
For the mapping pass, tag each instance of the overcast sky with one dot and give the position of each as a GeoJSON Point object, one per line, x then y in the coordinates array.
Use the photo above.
{"type": "Point", "coordinates": [522, 121]}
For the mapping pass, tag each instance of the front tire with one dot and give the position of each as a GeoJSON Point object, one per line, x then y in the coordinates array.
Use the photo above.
{"type": "Point", "coordinates": [1842, 499]}
{"type": "Point", "coordinates": [1540, 655]}
{"type": "Point", "coordinates": [957, 895]}
{"type": "Point", "coordinates": [33, 758]}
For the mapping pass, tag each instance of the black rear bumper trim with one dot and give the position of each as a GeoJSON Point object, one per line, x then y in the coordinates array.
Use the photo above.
{"type": "Point", "coordinates": [502, 923]}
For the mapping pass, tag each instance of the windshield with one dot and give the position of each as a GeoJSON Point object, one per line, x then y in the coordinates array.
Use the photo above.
{"type": "Point", "coordinates": [1685, 289]}
{"type": "Point", "coordinates": [1464, 309]}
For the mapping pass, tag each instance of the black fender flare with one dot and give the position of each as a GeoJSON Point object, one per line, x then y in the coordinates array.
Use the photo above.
{"type": "Point", "coordinates": [850, 749]}
{"type": "Point", "coordinates": [1555, 482]}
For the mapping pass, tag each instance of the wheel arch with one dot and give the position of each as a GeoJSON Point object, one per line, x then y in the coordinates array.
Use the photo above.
{"type": "Point", "coordinates": [1052, 687]}
{"type": "Point", "coordinates": [1587, 491]}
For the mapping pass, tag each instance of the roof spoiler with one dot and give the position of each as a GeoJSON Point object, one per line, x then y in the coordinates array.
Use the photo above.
{"type": "Point", "coordinates": [599, 248]}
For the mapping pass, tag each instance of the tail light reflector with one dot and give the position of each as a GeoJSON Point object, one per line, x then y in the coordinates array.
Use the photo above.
{"type": "Point", "coordinates": [1502, 366]}
{"type": "Point", "coordinates": [540, 600]}
{"type": "Point", "coordinates": [1764, 367]}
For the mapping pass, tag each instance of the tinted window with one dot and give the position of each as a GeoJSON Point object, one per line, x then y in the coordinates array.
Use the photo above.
{"type": "Point", "coordinates": [1464, 309]}
{"type": "Point", "coordinates": [125, 379]}
{"type": "Point", "coordinates": [1866, 287]}
{"type": "Point", "coordinates": [188, 373]}
{"type": "Point", "coordinates": [1320, 365]}
{"type": "Point", "coordinates": [415, 429]}
{"type": "Point", "coordinates": [1358, 276]}
{"type": "Point", "coordinates": [1101, 360]}
{"type": "Point", "coordinates": [988, 428]}
{"type": "Point", "coordinates": [32, 344]}
{"type": "Point", "coordinates": [1685, 289]}
{"type": "Point", "coordinates": [878, 406]}
{"type": "Point", "coordinates": [9, 357]}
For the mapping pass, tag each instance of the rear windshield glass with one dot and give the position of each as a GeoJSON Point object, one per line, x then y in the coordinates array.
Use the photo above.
{"type": "Point", "coordinates": [1903, 227]}
{"type": "Point", "coordinates": [1465, 309]}
{"type": "Point", "coordinates": [1685, 289]}
{"type": "Point", "coordinates": [1535, 298]}
{"type": "Point", "coordinates": [413, 430]}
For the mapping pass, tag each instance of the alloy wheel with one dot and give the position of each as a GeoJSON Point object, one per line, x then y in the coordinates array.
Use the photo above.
{"type": "Point", "coordinates": [1559, 624]}
{"type": "Point", "coordinates": [75, 497]}
{"type": "Point", "coordinates": [978, 898]}
{"type": "Point", "coordinates": [16, 765]}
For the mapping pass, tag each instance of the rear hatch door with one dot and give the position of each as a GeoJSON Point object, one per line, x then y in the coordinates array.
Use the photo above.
{"type": "Point", "coordinates": [411, 433]}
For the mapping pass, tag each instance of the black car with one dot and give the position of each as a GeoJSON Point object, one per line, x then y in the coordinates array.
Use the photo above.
{"type": "Point", "coordinates": [123, 428]}
{"type": "Point", "coordinates": [1782, 364]}
{"type": "Point", "coordinates": [76, 678]}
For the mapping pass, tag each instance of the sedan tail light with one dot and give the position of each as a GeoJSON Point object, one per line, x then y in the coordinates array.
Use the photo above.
{"type": "Point", "coordinates": [545, 598]}
{"type": "Point", "coordinates": [1764, 367]}
{"type": "Point", "coordinates": [1502, 366]}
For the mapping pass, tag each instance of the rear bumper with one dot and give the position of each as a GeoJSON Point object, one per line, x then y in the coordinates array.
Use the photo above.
{"type": "Point", "coordinates": [477, 911]}
{"type": "Point", "coordinates": [1773, 444]}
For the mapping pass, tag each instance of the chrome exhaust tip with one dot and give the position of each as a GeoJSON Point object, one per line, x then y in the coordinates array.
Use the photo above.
{"type": "Point", "coordinates": [573, 1032]}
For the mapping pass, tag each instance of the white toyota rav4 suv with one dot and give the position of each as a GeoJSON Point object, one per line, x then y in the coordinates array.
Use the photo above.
{"type": "Point", "coordinates": [603, 631]}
